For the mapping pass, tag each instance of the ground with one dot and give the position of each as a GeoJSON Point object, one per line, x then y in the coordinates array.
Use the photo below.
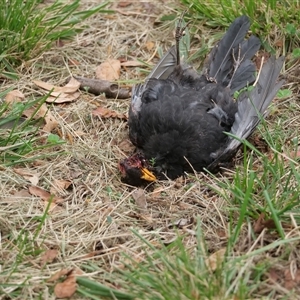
{"type": "Point", "coordinates": [91, 225]}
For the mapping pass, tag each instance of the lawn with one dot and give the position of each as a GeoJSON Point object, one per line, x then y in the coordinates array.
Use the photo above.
{"type": "Point", "coordinates": [69, 227]}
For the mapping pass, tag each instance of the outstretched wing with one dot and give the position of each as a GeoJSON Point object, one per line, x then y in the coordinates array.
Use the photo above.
{"type": "Point", "coordinates": [252, 106]}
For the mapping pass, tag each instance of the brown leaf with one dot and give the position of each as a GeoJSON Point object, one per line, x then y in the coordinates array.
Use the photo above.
{"type": "Point", "coordinates": [19, 195]}
{"type": "Point", "coordinates": [46, 197]}
{"type": "Point", "coordinates": [66, 288]}
{"type": "Point", "coordinates": [57, 97]}
{"type": "Point", "coordinates": [109, 70]}
{"type": "Point", "coordinates": [32, 177]}
{"type": "Point", "coordinates": [124, 3]}
{"type": "Point", "coordinates": [44, 113]}
{"type": "Point", "coordinates": [150, 45]}
{"type": "Point", "coordinates": [71, 87]}
{"type": "Point", "coordinates": [67, 93]}
{"type": "Point", "coordinates": [132, 63]}
{"type": "Point", "coordinates": [126, 146]}
{"type": "Point", "coordinates": [58, 275]}
{"type": "Point", "coordinates": [48, 256]}
{"type": "Point", "coordinates": [62, 184]}
{"type": "Point", "coordinates": [260, 224]}
{"type": "Point", "coordinates": [107, 113]}
{"type": "Point", "coordinates": [215, 260]}
{"type": "Point", "coordinates": [14, 96]}
{"type": "Point", "coordinates": [140, 199]}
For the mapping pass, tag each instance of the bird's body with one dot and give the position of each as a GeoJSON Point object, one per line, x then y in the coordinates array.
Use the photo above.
{"type": "Point", "coordinates": [178, 118]}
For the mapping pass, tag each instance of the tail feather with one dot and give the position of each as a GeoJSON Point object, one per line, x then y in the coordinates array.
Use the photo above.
{"type": "Point", "coordinates": [250, 47]}
{"type": "Point", "coordinates": [220, 59]}
{"type": "Point", "coordinates": [232, 54]}
{"type": "Point", "coordinates": [251, 107]}
{"type": "Point", "coordinates": [244, 75]}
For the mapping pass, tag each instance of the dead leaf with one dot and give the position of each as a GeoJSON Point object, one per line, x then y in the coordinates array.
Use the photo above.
{"type": "Point", "coordinates": [71, 87]}
{"type": "Point", "coordinates": [60, 185]}
{"type": "Point", "coordinates": [215, 260]}
{"type": "Point", "coordinates": [109, 70]}
{"type": "Point", "coordinates": [19, 195]}
{"type": "Point", "coordinates": [291, 280]}
{"type": "Point", "coordinates": [58, 98]}
{"type": "Point", "coordinates": [67, 288]}
{"type": "Point", "coordinates": [156, 193]}
{"type": "Point", "coordinates": [260, 224]}
{"type": "Point", "coordinates": [140, 199]}
{"type": "Point", "coordinates": [67, 93]}
{"type": "Point", "coordinates": [294, 154]}
{"type": "Point", "coordinates": [46, 197]}
{"type": "Point", "coordinates": [14, 96]}
{"type": "Point", "coordinates": [124, 3]}
{"type": "Point", "coordinates": [107, 113]}
{"type": "Point", "coordinates": [32, 177]}
{"type": "Point", "coordinates": [126, 146]}
{"type": "Point", "coordinates": [48, 256]}
{"type": "Point", "coordinates": [44, 113]}
{"type": "Point", "coordinates": [149, 45]}
{"type": "Point", "coordinates": [58, 275]}
{"type": "Point", "coordinates": [132, 63]}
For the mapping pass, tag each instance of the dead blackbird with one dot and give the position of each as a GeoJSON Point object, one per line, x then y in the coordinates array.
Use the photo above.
{"type": "Point", "coordinates": [178, 118]}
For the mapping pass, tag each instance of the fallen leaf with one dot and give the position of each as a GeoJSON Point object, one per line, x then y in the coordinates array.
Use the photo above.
{"type": "Point", "coordinates": [291, 280]}
{"type": "Point", "coordinates": [44, 113]}
{"type": "Point", "coordinates": [48, 256]}
{"type": "Point", "coordinates": [14, 96]}
{"type": "Point", "coordinates": [181, 223]}
{"type": "Point", "coordinates": [140, 199]}
{"type": "Point", "coordinates": [109, 70]}
{"type": "Point", "coordinates": [44, 195]}
{"type": "Point", "coordinates": [67, 288]}
{"type": "Point", "coordinates": [107, 113]}
{"type": "Point", "coordinates": [124, 3]}
{"type": "Point", "coordinates": [126, 146]}
{"type": "Point", "coordinates": [67, 93]}
{"type": "Point", "coordinates": [260, 224]}
{"type": "Point", "coordinates": [215, 260]}
{"type": "Point", "coordinates": [294, 154]}
{"type": "Point", "coordinates": [59, 185]}
{"type": "Point", "coordinates": [149, 45]}
{"type": "Point", "coordinates": [58, 275]}
{"type": "Point", "coordinates": [32, 177]}
{"type": "Point", "coordinates": [132, 63]}
{"type": "Point", "coordinates": [62, 184]}
{"type": "Point", "coordinates": [57, 97]}
{"type": "Point", "coordinates": [19, 195]}
{"type": "Point", "coordinates": [71, 87]}
{"type": "Point", "coordinates": [156, 193]}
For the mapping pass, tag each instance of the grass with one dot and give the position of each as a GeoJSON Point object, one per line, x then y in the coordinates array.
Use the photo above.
{"type": "Point", "coordinates": [20, 140]}
{"type": "Point", "coordinates": [276, 23]}
{"type": "Point", "coordinates": [28, 28]}
{"type": "Point", "coordinates": [230, 236]}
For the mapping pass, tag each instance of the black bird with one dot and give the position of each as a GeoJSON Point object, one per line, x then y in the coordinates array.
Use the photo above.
{"type": "Point", "coordinates": [178, 119]}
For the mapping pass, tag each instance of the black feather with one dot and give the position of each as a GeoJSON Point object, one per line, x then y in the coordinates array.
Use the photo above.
{"type": "Point", "coordinates": [178, 118]}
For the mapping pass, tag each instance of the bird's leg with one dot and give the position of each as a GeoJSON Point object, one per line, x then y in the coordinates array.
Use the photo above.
{"type": "Point", "coordinates": [179, 33]}
{"type": "Point", "coordinates": [236, 63]}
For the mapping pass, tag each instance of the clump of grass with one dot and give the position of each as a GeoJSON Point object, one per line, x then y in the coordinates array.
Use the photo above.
{"type": "Point", "coordinates": [275, 22]}
{"type": "Point", "coordinates": [176, 272]}
{"type": "Point", "coordinates": [27, 28]}
{"type": "Point", "coordinates": [20, 139]}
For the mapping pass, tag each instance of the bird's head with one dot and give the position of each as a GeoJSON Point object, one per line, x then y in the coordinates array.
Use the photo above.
{"type": "Point", "coordinates": [135, 170]}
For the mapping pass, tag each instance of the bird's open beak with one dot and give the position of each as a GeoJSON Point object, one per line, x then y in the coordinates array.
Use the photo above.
{"type": "Point", "coordinates": [147, 175]}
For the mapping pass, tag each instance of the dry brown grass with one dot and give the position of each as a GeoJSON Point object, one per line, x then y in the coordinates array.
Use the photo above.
{"type": "Point", "coordinates": [92, 226]}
